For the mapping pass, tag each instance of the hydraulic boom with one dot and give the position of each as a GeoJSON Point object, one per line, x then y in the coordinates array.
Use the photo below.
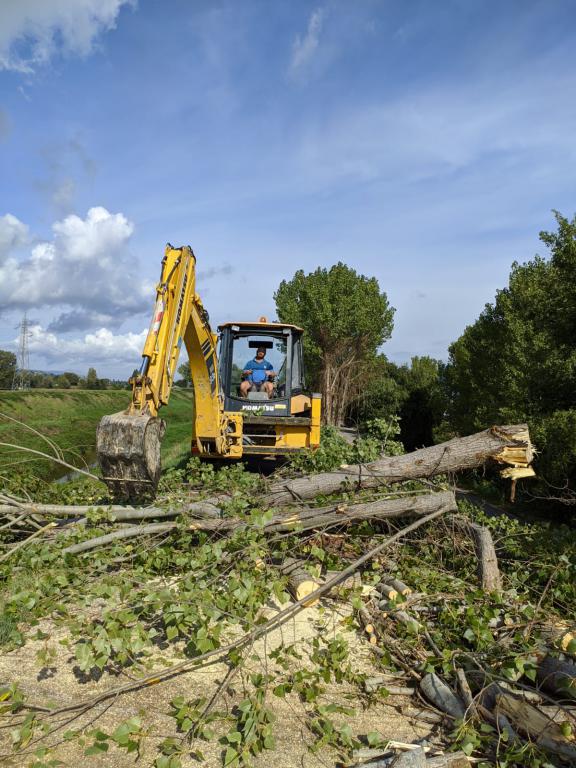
{"type": "Point", "coordinates": [128, 443]}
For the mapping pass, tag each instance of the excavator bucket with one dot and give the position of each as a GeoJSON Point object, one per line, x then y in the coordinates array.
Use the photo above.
{"type": "Point", "coordinates": [128, 447]}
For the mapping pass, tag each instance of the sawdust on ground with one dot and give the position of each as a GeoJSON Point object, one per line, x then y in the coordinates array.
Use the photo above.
{"type": "Point", "coordinates": [62, 683]}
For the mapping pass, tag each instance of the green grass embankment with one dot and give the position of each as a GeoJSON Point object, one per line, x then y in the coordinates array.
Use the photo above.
{"type": "Point", "coordinates": [69, 418]}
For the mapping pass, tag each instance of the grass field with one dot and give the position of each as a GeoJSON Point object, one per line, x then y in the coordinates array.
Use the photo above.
{"type": "Point", "coordinates": [69, 418]}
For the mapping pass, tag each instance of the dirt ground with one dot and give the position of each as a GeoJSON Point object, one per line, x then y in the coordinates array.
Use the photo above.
{"type": "Point", "coordinates": [62, 683]}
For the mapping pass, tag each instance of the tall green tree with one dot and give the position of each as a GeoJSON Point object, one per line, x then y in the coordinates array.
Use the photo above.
{"type": "Point", "coordinates": [92, 380]}
{"type": "Point", "coordinates": [424, 407]}
{"type": "Point", "coordinates": [7, 368]}
{"type": "Point", "coordinates": [517, 362]}
{"type": "Point", "coordinates": [185, 374]}
{"type": "Point", "coordinates": [346, 318]}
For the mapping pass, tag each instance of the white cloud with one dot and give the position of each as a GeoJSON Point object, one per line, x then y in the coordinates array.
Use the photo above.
{"type": "Point", "coordinates": [13, 234]}
{"type": "Point", "coordinates": [305, 47]}
{"type": "Point", "coordinates": [102, 346]}
{"type": "Point", "coordinates": [31, 31]}
{"type": "Point", "coordinates": [86, 267]}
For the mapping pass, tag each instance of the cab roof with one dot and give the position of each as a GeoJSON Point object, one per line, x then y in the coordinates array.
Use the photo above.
{"type": "Point", "coordinates": [256, 324]}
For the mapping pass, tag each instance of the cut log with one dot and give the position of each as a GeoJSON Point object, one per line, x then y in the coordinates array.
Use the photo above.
{"type": "Point", "coordinates": [123, 533]}
{"type": "Point", "coordinates": [536, 725]}
{"type": "Point", "coordinates": [372, 684]}
{"type": "Point", "coordinates": [383, 509]}
{"type": "Point", "coordinates": [112, 512]}
{"type": "Point", "coordinates": [439, 694]}
{"type": "Point", "coordinates": [387, 590]}
{"type": "Point", "coordinates": [291, 521]}
{"type": "Point", "coordinates": [366, 755]}
{"type": "Point", "coordinates": [424, 715]}
{"type": "Point", "coordinates": [414, 758]}
{"type": "Point", "coordinates": [487, 561]}
{"type": "Point", "coordinates": [300, 583]}
{"type": "Point", "coordinates": [557, 676]}
{"type": "Point", "coordinates": [400, 587]}
{"type": "Point", "coordinates": [367, 623]}
{"type": "Point", "coordinates": [451, 760]}
{"type": "Point", "coordinates": [509, 445]}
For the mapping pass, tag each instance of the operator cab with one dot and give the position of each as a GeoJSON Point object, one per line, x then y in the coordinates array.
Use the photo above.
{"type": "Point", "coordinates": [282, 344]}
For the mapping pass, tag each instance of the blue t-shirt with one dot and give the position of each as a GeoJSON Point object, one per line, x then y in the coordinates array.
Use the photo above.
{"type": "Point", "coordinates": [258, 368]}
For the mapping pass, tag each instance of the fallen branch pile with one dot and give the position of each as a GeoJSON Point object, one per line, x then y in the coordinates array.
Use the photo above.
{"type": "Point", "coordinates": [454, 668]}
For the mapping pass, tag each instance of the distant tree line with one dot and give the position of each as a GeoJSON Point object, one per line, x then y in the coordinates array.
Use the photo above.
{"type": "Point", "coordinates": [46, 380]}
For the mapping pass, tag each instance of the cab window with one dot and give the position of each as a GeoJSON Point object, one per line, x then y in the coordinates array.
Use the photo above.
{"type": "Point", "coordinates": [244, 350]}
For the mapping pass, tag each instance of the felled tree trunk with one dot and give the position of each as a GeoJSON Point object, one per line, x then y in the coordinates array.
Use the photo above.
{"type": "Point", "coordinates": [341, 514]}
{"type": "Point", "coordinates": [509, 445]}
{"type": "Point", "coordinates": [299, 520]}
{"type": "Point", "coordinates": [536, 725]}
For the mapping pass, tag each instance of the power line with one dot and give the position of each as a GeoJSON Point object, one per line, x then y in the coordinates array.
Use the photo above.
{"type": "Point", "coordinates": [22, 373]}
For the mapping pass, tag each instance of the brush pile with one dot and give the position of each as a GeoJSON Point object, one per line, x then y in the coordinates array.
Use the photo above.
{"type": "Point", "coordinates": [224, 560]}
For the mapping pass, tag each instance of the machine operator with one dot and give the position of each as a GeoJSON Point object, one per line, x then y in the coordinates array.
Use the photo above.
{"type": "Point", "coordinates": [257, 375]}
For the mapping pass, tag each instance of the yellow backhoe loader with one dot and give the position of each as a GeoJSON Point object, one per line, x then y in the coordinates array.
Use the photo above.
{"type": "Point", "coordinates": [228, 421]}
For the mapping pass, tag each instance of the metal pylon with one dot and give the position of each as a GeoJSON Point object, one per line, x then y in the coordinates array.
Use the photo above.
{"type": "Point", "coordinates": [22, 373]}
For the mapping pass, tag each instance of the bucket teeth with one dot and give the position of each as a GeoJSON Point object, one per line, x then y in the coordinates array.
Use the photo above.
{"type": "Point", "coordinates": [128, 448]}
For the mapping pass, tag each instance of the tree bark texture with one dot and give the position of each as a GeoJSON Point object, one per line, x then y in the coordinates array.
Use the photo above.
{"type": "Point", "coordinates": [536, 725]}
{"type": "Point", "coordinates": [439, 694]}
{"type": "Point", "coordinates": [558, 676]}
{"type": "Point", "coordinates": [508, 445]}
{"type": "Point", "coordinates": [300, 520]}
{"type": "Point", "coordinates": [487, 561]}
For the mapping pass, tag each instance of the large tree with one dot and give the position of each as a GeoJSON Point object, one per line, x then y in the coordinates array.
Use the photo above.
{"type": "Point", "coordinates": [346, 318]}
{"type": "Point", "coordinates": [518, 360]}
{"type": "Point", "coordinates": [185, 374]}
{"type": "Point", "coordinates": [7, 368]}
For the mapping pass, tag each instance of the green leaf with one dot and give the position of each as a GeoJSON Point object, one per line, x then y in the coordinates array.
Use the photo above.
{"type": "Point", "coordinates": [231, 756]}
{"type": "Point", "coordinates": [97, 748]}
{"type": "Point", "coordinates": [374, 739]}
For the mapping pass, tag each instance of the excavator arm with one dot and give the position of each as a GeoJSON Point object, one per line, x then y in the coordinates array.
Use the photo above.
{"type": "Point", "coordinates": [128, 443]}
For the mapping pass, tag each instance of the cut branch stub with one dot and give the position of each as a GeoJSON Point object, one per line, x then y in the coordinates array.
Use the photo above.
{"type": "Point", "coordinates": [487, 561]}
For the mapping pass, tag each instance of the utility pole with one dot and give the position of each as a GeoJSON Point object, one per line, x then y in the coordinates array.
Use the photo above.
{"type": "Point", "coordinates": [22, 374]}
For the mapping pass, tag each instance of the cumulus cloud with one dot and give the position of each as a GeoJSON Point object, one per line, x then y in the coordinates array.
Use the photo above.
{"type": "Point", "coordinates": [84, 267]}
{"type": "Point", "coordinates": [13, 234]}
{"type": "Point", "coordinates": [102, 346]}
{"type": "Point", "coordinates": [304, 47]}
{"type": "Point", "coordinates": [31, 31]}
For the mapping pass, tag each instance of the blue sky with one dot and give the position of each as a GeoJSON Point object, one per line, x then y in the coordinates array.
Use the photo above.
{"type": "Point", "coordinates": [422, 143]}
